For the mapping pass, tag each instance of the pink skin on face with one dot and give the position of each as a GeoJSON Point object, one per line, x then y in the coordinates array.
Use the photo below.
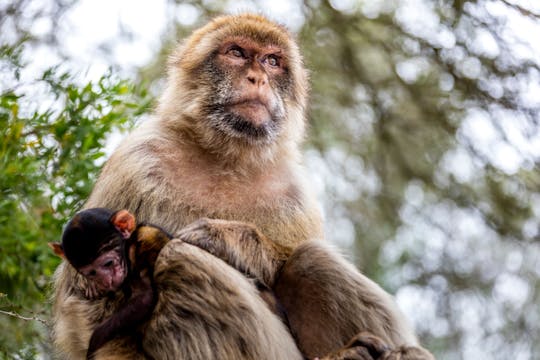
{"type": "Point", "coordinates": [256, 98]}
{"type": "Point", "coordinates": [107, 272]}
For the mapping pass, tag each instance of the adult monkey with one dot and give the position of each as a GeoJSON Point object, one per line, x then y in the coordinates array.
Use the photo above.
{"type": "Point", "coordinates": [224, 145]}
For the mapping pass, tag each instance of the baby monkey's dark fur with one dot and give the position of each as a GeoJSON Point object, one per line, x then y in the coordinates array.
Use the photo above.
{"type": "Point", "coordinates": [113, 253]}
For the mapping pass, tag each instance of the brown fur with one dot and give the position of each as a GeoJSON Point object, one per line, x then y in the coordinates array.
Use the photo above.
{"type": "Point", "coordinates": [325, 299]}
{"type": "Point", "coordinates": [148, 243]}
{"type": "Point", "coordinates": [175, 169]}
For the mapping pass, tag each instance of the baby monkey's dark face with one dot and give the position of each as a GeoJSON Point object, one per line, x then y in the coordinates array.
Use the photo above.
{"type": "Point", "coordinates": [95, 242]}
{"type": "Point", "coordinates": [108, 271]}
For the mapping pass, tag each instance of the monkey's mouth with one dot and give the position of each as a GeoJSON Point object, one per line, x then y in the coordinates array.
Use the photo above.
{"type": "Point", "coordinates": [252, 110]}
{"type": "Point", "coordinates": [248, 119]}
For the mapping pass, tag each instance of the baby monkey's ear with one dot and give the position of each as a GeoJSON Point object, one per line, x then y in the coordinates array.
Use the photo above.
{"type": "Point", "coordinates": [58, 249]}
{"type": "Point", "coordinates": [123, 221]}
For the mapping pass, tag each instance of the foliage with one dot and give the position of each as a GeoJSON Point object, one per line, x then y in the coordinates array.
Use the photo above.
{"type": "Point", "coordinates": [50, 154]}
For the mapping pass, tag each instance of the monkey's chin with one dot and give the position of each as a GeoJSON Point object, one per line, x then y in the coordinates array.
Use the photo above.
{"type": "Point", "coordinates": [252, 130]}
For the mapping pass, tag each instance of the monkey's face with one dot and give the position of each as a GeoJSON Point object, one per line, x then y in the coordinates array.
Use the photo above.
{"type": "Point", "coordinates": [239, 80]}
{"type": "Point", "coordinates": [249, 83]}
{"type": "Point", "coordinates": [107, 272]}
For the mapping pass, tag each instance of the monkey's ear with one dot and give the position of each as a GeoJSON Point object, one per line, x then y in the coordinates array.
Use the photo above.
{"type": "Point", "coordinates": [124, 222]}
{"type": "Point", "coordinates": [58, 249]}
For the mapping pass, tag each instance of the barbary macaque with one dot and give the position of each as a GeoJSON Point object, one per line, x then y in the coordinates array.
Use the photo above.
{"type": "Point", "coordinates": [112, 253]}
{"type": "Point", "coordinates": [224, 144]}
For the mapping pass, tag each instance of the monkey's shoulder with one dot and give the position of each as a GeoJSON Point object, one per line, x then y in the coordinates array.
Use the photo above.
{"type": "Point", "coordinates": [147, 241]}
{"type": "Point", "coordinates": [149, 235]}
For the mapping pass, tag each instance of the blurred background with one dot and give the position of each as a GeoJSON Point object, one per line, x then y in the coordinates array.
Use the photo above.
{"type": "Point", "coordinates": [423, 145]}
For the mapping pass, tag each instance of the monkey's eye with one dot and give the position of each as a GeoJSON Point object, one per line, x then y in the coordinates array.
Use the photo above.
{"type": "Point", "coordinates": [108, 263]}
{"type": "Point", "coordinates": [236, 51]}
{"type": "Point", "coordinates": [272, 60]}
{"type": "Point", "coordinates": [91, 273]}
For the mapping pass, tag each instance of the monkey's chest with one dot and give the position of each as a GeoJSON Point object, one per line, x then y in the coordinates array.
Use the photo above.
{"type": "Point", "coordinates": [241, 197]}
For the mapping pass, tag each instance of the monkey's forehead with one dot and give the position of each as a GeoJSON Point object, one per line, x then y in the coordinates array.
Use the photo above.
{"type": "Point", "coordinates": [255, 27]}
{"type": "Point", "coordinates": [207, 39]}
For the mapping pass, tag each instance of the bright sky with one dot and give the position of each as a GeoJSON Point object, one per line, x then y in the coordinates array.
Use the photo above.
{"type": "Point", "coordinates": [145, 19]}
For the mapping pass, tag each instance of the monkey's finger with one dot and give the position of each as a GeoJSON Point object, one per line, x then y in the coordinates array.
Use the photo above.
{"type": "Point", "coordinates": [198, 227]}
{"type": "Point", "coordinates": [194, 237]}
{"type": "Point", "coordinates": [375, 345]}
{"type": "Point", "coordinates": [200, 234]}
{"type": "Point", "coordinates": [408, 353]}
{"type": "Point", "coordinates": [352, 353]}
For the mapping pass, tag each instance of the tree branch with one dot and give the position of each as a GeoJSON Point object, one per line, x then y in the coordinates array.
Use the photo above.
{"type": "Point", "coordinates": [25, 318]}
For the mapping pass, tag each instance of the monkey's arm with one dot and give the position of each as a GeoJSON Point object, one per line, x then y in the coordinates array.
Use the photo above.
{"type": "Point", "coordinates": [366, 346]}
{"type": "Point", "coordinates": [134, 313]}
{"type": "Point", "coordinates": [239, 244]}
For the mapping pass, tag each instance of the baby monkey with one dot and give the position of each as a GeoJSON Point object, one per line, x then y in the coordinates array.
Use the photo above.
{"type": "Point", "coordinates": [112, 253]}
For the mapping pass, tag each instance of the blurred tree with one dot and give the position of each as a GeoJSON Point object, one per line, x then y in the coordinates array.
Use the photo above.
{"type": "Point", "coordinates": [435, 110]}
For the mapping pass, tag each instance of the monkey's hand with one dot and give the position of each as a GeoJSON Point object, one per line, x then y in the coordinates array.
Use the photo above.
{"type": "Point", "coordinates": [239, 244]}
{"type": "Point", "coordinates": [98, 339]}
{"type": "Point", "coordinates": [85, 288]}
{"type": "Point", "coordinates": [142, 284]}
{"type": "Point", "coordinates": [408, 353]}
{"type": "Point", "coordinates": [364, 346]}
{"type": "Point", "coordinates": [91, 291]}
{"type": "Point", "coordinates": [207, 234]}
{"type": "Point", "coordinates": [354, 353]}
{"type": "Point", "coordinates": [127, 318]}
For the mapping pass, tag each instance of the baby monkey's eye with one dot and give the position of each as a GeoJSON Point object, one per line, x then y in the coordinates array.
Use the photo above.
{"type": "Point", "coordinates": [108, 263]}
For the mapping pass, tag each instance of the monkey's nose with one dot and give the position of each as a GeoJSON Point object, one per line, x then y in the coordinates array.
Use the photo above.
{"type": "Point", "coordinates": [256, 76]}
